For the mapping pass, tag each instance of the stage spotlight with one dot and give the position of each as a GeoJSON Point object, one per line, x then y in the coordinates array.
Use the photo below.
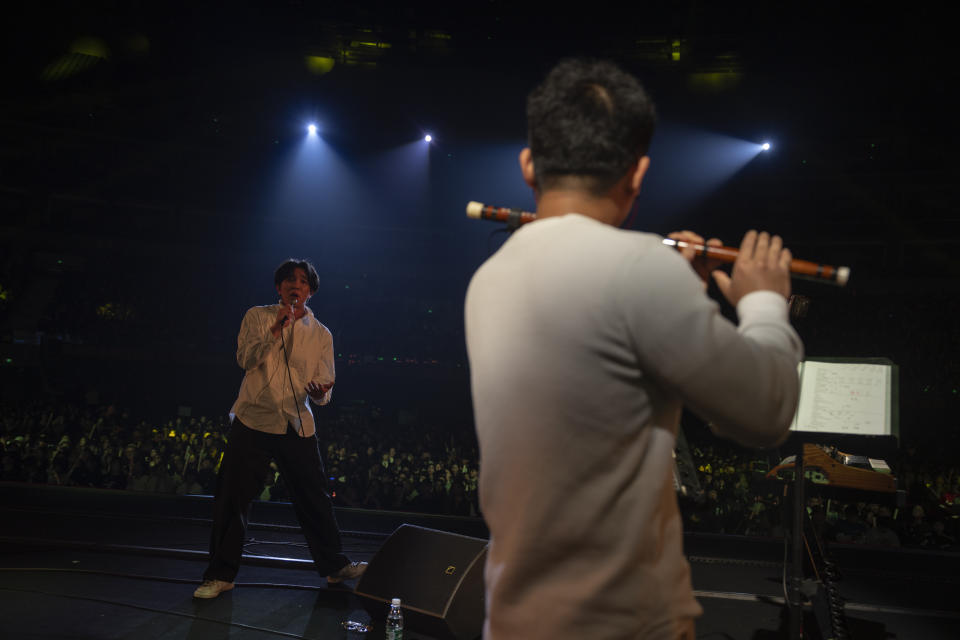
{"type": "Point", "coordinates": [428, 138]}
{"type": "Point", "coordinates": [765, 146]}
{"type": "Point", "coordinates": [312, 129]}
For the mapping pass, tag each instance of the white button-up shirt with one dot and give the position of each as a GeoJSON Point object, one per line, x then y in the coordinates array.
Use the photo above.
{"type": "Point", "coordinates": [266, 401]}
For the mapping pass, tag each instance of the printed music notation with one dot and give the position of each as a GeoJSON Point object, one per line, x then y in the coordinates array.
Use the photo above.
{"type": "Point", "coordinates": [846, 398]}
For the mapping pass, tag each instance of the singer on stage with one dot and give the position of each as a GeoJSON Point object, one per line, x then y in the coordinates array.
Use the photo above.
{"type": "Point", "coordinates": [288, 357]}
{"type": "Point", "coordinates": [585, 341]}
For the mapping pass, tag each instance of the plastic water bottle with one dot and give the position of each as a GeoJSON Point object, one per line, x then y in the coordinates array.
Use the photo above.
{"type": "Point", "coordinates": [395, 621]}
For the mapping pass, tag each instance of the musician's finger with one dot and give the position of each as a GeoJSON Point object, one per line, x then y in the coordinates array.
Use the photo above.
{"type": "Point", "coordinates": [714, 242]}
{"type": "Point", "coordinates": [763, 244]}
{"type": "Point", "coordinates": [748, 244]}
{"type": "Point", "coordinates": [723, 282]}
{"type": "Point", "coordinates": [776, 245]}
{"type": "Point", "coordinates": [785, 259]}
{"type": "Point", "coordinates": [690, 238]}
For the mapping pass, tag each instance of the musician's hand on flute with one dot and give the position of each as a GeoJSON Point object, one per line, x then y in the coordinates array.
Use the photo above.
{"type": "Point", "coordinates": [763, 264]}
{"type": "Point", "coordinates": [701, 264]}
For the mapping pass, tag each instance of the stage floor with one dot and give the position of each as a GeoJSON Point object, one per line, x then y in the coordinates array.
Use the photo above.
{"type": "Point", "coordinates": [101, 565]}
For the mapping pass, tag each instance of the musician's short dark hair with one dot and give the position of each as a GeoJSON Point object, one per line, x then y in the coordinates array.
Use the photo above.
{"type": "Point", "coordinates": [286, 269]}
{"type": "Point", "coordinates": [587, 123]}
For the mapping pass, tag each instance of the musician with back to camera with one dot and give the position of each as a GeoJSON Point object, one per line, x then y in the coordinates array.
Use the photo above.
{"type": "Point", "coordinates": [584, 342]}
{"type": "Point", "coordinates": [287, 355]}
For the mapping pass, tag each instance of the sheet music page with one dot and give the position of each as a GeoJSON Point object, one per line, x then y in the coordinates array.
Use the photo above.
{"type": "Point", "coordinates": [837, 397]}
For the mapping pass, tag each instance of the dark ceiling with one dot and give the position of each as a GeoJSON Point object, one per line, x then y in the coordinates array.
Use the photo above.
{"type": "Point", "coordinates": [236, 71]}
{"type": "Point", "coordinates": [103, 97]}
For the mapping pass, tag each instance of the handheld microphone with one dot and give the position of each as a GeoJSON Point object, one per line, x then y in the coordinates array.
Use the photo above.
{"type": "Point", "coordinates": [294, 303]}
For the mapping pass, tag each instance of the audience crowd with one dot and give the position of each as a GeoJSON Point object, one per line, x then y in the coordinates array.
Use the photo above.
{"type": "Point", "coordinates": [375, 461]}
{"type": "Point", "coordinates": [415, 468]}
{"type": "Point", "coordinates": [740, 498]}
{"type": "Point", "coordinates": [88, 313]}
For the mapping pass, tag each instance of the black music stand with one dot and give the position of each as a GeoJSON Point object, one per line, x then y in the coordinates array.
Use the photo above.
{"type": "Point", "coordinates": [843, 402]}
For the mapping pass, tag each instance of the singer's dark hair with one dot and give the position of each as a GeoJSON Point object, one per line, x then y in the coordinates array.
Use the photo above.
{"type": "Point", "coordinates": [587, 123]}
{"type": "Point", "coordinates": [286, 268]}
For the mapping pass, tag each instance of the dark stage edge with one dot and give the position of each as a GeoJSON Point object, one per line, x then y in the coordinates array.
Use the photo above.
{"type": "Point", "coordinates": [82, 563]}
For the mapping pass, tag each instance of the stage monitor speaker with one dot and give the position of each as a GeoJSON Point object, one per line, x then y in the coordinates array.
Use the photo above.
{"type": "Point", "coordinates": [438, 577]}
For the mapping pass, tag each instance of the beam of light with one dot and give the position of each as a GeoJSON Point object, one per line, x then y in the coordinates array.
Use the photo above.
{"type": "Point", "coordinates": [312, 129]}
{"type": "Point", "coordinates": [428, 138]}
{"type": "Point", "coordinates": [403, 178]}
{"type": "Point", "coordinates": [313, 201]}
{"type": "Point", "coordinates": [765, 146]}
{"type": "Point", "coordinates": [687, 166]}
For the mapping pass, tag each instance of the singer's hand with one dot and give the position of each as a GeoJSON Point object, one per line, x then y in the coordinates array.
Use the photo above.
{"type": "Point", "coordinates": [701, 264]}
{"type": "Point", "coordinates": [285, 314]}
{"type": "Point", "coordinates": [317, 391]}
{"type": "Point", "coordinates": [762, 265]}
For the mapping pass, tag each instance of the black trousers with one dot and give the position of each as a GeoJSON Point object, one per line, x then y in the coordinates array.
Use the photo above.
{"type": "Point", "coordinates": [242, 473]}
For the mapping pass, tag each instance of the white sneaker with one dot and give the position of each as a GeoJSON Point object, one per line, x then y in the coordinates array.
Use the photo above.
{"type": "Point", "coordinates": [351, 571]}
{"type": "Point", "coordinates": [212, 588]}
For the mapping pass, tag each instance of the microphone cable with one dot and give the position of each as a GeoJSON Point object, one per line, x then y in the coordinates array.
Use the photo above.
{"type": "Point", "coordinates": [286, 357]}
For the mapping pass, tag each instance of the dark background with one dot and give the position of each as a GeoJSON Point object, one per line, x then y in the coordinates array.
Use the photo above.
{"type": "Point", "coordinates": [154, 170]}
